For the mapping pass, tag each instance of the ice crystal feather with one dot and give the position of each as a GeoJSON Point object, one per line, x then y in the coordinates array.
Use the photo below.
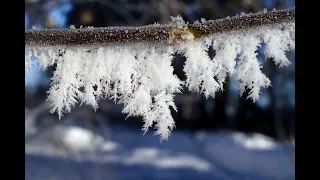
{"type": "Point", "coordinates": [140, 75]}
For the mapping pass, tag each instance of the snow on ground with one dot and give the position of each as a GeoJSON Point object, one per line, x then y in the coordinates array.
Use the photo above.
{"type": "Point", "coordinates": [70, 152]}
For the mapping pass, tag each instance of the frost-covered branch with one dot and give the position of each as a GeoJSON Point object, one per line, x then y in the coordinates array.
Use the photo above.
{"type": "Point", "coordinates": [133, 65]}
{"type": "Point", "coordinates": [168, 33]}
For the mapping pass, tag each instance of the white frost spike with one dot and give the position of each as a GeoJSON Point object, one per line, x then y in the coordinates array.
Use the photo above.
{"type": "Point", "coordinates": [203, 20]}
{"type": "Point", "coordinates": [139, 104]}
{"type": "Point", "coordinates": [158, 83]}
{"type": "Point", "coordinates": [121, 71]}
{"type": "Point", "coordinates": [277, 43]}
{"type": "Point", "coordinates": [162, 115]}
{"type": "Point", "coordinates": [64, 91]}
{"type": "Point", "coordinates": [248, 70]}
{"type": "Point", "coordinates": [28, 62]}
{"type": "Point", "coordinates": [291, 29]}
{"type": "Point", "coordinates": [48, 56]}
{"type": "Point", "coordinates": [177, 20]}
{"type": "Point", "coordinates": [226, 48]}
{"type": "Point", "coordinates": [200, 69]}
{"type": "Point", "coordinates": [141, 77]}
{"type": "Point", "coordinates": [89, 78]}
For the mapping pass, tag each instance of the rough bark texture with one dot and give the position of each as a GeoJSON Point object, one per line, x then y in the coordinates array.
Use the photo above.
{"type": "Point", "coordinates": [153, 33]}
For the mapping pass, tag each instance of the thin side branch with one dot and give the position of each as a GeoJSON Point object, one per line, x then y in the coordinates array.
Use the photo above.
{"type": "Point", "coordinates": [165, 34]}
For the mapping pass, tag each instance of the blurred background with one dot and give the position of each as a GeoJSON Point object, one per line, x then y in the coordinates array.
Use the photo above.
{"type": "Point", "coordinates": [223, 138]}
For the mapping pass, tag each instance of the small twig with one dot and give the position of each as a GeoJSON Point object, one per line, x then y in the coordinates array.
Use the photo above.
{"type": "Point", "coordinates": [152, 33]}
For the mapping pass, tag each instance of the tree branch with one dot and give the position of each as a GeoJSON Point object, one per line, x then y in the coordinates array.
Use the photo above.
{"type": "Point", "coordinates": [165, 34]}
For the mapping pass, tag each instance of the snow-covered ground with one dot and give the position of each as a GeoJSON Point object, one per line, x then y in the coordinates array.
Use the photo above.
{"type": "Point", "coordinates": [71, 152]}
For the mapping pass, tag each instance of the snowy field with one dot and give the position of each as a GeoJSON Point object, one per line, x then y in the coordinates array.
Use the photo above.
{"type": "Point", "coordinates": [69, 152]}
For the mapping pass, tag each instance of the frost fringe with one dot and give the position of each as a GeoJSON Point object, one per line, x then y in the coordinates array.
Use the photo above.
{"type": "Point", "coordinates": [140, 76]}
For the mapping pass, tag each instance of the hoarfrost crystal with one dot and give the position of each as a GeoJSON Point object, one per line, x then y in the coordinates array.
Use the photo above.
{"type": "Point", "coordinates": [141, 77]}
